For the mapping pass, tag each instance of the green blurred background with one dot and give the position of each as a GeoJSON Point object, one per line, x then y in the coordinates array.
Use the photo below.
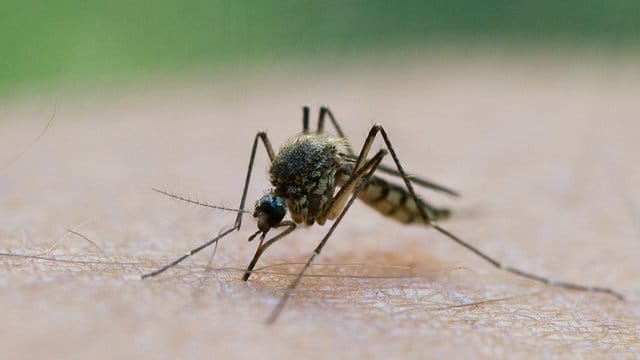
{"type": "Point", "coordinates": [66, 42]}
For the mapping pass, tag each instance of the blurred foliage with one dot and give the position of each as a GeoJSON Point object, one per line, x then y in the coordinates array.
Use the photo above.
{"type": "Point", "coordinates": [73, 40]}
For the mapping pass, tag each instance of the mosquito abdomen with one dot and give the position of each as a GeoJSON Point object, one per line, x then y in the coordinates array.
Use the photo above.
{"type": "Point", "coordinates": [395, 201]}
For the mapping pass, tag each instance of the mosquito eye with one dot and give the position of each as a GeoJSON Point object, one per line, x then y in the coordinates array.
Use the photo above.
{"type": "Point", "coordinates": [270, 210]}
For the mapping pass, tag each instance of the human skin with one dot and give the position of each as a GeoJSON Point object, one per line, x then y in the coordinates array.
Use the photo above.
{"type": "Point", "coordinates": [543, 151]}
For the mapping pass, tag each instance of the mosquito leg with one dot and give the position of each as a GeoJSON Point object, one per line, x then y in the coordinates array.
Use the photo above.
{"type": "Point", "coordinates": [525, 274]}
{"type": "Point", "coordinates": [324, 111]}
{"type": "Point", "coordinates": [190, 253]}
{"type": "Point", "coordinates": [267, 144]}
{"type": "Point", "coordinates": [420, 181]}
{"type": "Point", "coordinates": [338, 201]}
{"type": "Point", "coordinates": [305, 119]}
{"type": "Point", "coordinates": [378, 129]}
{"type": "Point", "coordinates": [362, 176]}
{"type": "Point", "coordinates": [415, 179]}
{"type": "Point", "coordinates": [261, 249]}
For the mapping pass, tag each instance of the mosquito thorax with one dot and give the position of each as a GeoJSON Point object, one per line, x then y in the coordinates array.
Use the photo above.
{"type": "Point", "coordinates": [303, 173]}
{"type": "Point", "coordinates": [269, 211]}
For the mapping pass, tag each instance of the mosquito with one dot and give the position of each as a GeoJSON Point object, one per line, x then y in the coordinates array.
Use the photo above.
{"type": "Point", "coordinates": [316, 177]}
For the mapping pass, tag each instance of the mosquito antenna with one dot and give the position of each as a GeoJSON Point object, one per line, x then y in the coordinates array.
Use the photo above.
{"type": "Point", "coordinates": [198, 202]}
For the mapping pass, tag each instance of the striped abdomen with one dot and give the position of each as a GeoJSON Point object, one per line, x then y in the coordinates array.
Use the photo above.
{"type": "Point", "coordinates": [395, 201]}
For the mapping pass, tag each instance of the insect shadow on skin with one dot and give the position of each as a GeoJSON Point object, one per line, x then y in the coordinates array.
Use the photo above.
{"type": "Point", "coordinates": [316, 177]}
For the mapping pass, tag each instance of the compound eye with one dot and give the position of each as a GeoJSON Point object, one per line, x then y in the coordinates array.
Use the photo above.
{"type": "Point", "coordinates": [273, 206]}
{"type": "Point", "coordinates": [270, 210]}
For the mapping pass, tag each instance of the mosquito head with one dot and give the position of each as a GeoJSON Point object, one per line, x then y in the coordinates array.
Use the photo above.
{"type": "Point", "coordinates": [269, 211]}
